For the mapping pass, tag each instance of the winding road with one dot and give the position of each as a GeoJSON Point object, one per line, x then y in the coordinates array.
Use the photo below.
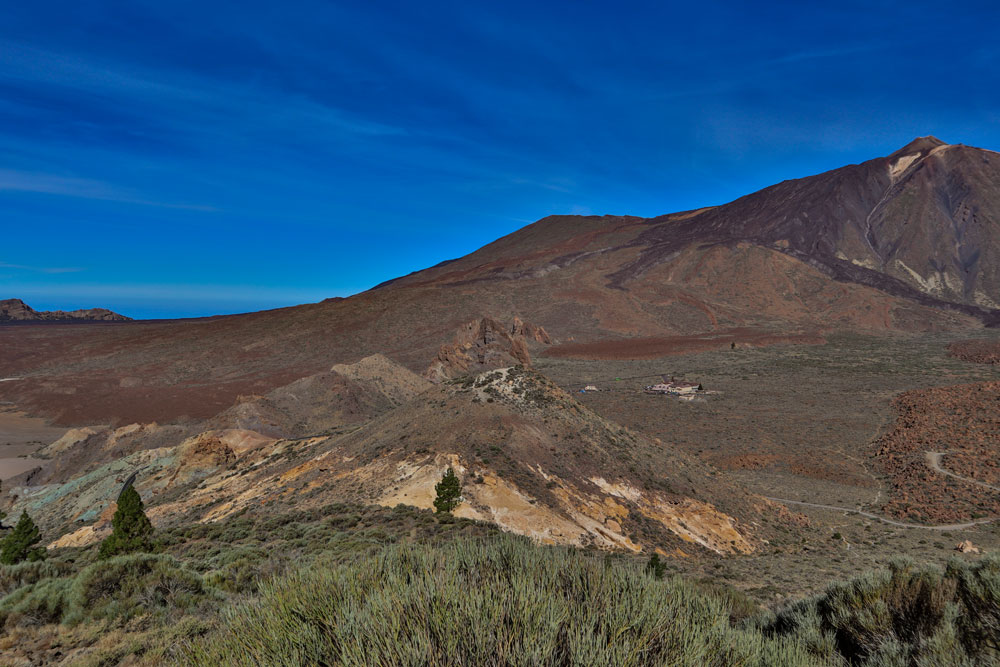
{"type": "Point", "coordinates": [876, 517]}
{"type": "Point", "coordinates": [934, 462]}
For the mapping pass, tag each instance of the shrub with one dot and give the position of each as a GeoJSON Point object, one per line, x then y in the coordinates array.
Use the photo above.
{"type": "Point", "coordinates": [124, 586]}
{"type": "Point", "coordinates": [902, 616]}
{"type": "Point", "coordinates": [496, 602]}
{"type": "Point", "coordinates": [37, 604]}
{"type": "Point", "coordinates": [26, 573]}
{"type": "Point", "coordinates": [116, 589]}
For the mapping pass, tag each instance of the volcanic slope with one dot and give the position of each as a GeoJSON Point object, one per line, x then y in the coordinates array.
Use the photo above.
{"type": "Point", "coordinates": [906, 242]}
{"type": "Point", "coordinates": [532, 460]}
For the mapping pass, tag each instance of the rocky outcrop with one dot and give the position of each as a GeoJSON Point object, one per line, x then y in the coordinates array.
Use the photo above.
{"type": "Point", "coordinates": [967, 547]}
{"type": "Point", "coordinates": [532, 460]}
{"type": "Point", "coordinates": [530, 331]}
{"type": "Point", "coordinates": [483, 345]}
{"type": "Point", "coordinates": [15, 310]}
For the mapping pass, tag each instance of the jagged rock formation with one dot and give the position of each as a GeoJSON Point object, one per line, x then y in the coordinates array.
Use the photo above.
{"type": "Point", "coordinates": [15, 310]}
{"type": "Point", "coordinates": [483, 345]}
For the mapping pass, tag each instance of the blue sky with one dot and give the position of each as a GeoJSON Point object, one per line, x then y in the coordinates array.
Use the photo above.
{"type": "Point", "coordinates": [173, 159]}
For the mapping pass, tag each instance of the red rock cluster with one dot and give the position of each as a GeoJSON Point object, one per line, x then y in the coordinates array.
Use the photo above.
{"type": "Point", "coordinates": [962, 424]}
{"type": "Point", "coordinates": [978, 351]}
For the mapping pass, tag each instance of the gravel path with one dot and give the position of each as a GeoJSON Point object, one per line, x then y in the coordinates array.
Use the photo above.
{"type": "Point", "coordinates": [934, 461]}
{"type": "Point", "coordinates": [854, 510]}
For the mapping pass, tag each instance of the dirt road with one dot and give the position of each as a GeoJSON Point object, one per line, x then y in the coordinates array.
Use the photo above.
{"type": "Point", "coordinates": [891, 522]}
{"type": "Point", "coordinates": [934, 461]}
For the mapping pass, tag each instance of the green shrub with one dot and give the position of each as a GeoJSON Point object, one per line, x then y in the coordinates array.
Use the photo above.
{"type": "Point", "coordinates": [36, 604]}
{"type": "Point", "coordinates": [125, 586]}
{"type": "Point", "coordinates": [903, 616]}
{"type": "Point", "coordinates": [116, 589]}
{"type": "Point", "coordinates": [13, 577]}
{"type": "Point", "coordinates": [496, 602]}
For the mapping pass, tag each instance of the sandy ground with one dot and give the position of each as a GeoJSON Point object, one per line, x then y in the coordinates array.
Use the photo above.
{"type": "Point", "coordinates": [21, 436]}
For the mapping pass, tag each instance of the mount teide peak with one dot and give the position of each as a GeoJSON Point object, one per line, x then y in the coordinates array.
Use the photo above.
{"type": "Point", "coordinates": [921, 224]}
{"type": "Point", "coordinates": [906, 242]}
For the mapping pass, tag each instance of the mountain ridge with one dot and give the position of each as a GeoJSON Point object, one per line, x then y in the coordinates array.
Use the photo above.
{"type": "Point", "coordinates": [16, 310]}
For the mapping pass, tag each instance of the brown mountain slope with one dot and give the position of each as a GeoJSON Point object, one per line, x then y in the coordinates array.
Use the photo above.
{"type": "Point", "coordinates": [879, 246]}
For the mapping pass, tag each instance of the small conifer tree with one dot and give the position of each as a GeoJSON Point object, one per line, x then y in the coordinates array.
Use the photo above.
{"type": "Point", "coordinates": [449, 493]}
{"type": "Point", "coordinates": [131, 529]}
{"type": "Point", "coordinates": [656, 567]}
{"type": "Point", "coordinates": [19, 545]}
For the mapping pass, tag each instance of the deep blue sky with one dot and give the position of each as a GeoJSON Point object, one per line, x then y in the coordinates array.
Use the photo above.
{"type": "Point", "coordinates": [190, 158]}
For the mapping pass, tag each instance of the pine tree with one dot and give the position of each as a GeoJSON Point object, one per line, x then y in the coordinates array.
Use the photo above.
{"type": "Point", "coordinates": [19, 545]}
{"type": "Point", "coordinates": [131, 529]}
{"type": "Point", "coordinates": [656, 567]}
{"type": "Point", "coordinates": [449, 493]}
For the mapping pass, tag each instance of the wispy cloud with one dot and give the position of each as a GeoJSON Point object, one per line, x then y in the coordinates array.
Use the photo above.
{"type": "Point", "coordinates": [68, 186]}
{"type": "Point", "coordinates": [41, 269]}
{"type": "Point", "coordinates": [837, 52]}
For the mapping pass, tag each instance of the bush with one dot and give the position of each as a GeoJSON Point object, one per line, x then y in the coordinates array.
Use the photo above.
{"type": "Point", "coordinates": [502, 601]}
{"type": "Point", "coordinates": [38, 604]}
{"type": "Point", "coordinates": [128, 585]}
{"type": "Point", "coordinates": [13, 577]}
{"type": "Point", "coordinates": [903, 616]}
{"type": "Point", "coordinates": [116, 589]}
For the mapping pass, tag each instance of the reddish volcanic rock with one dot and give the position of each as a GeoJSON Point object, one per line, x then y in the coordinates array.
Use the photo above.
{"type": "Point", "coordinates": [485, 344]}
{"type": "Point", "coordinates": [960, 423]}
{"type": "Point", "coordinates": [978, 351]}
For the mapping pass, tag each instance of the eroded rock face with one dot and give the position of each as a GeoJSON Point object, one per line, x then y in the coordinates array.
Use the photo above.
{"type": "Point", "coordinates": [484, 345]}
{"type": "Point", "coordinates": [15, 310]}
{"type": "Point", "coordinates": [530, 331]}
